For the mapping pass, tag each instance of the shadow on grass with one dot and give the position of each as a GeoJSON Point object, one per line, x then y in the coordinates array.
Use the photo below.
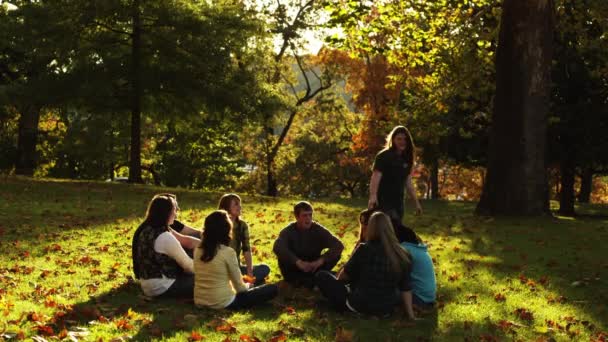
{"type": "Point", "coordinates": [564, 256]}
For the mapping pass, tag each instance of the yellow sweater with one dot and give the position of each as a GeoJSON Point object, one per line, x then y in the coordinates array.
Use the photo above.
{"type": "Point", "coordinates": [216, 282]}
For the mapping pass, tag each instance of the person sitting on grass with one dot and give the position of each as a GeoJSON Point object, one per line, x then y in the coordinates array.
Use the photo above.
{"type": "Point", "coordinates": [240, 238]}
{"type": "Point", "coordinates": [424, 285]}
{"type": "Point", "coordinates": [218, 281]}
{"type": "Point", "coordinates": [160, 261]}
{"type": "Point", "coordinates": [378, 274]}
{"type": "Point", "coordinates": [299, 246]}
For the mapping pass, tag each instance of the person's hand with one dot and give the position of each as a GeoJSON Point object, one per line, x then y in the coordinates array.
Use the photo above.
{"type": "Point", "coordinates": [250, 271]}
{"type": "Point", "coordinates": [303, 266]}
{"type": "Point", "coordinates": [316, 264]}
{"type": "Point", "coordinates": [373, 202]}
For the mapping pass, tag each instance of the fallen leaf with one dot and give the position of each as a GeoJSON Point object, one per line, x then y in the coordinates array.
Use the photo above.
{"type": "Point", "coordinates": [195, 336]}
{"type": "Point", "coordinates": [499, 297]}
{"type": "Point", "coordinates": [524, 314]}
{"type": "Point", "coordinates": [248, 279]}
{"type": "Point", "coordinates": [277, 336]}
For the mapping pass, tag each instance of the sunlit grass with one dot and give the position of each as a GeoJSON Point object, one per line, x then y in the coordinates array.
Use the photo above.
{"type": "Point", "coordinates": [65, 264]}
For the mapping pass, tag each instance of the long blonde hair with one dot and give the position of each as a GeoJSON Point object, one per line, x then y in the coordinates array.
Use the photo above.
{"type": "Point", "coordinates": [381, 229]}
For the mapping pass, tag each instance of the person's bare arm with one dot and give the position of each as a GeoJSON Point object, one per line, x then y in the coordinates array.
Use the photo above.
{"type": "Point", "coordinates": [186, 241]}
{"type": "Point", "coordinates": [407, 304]}
{"type": "Point", "coordinates": [190, 231]}
{"type": "Point", "coordinates": [248, 263]}
{"type": "Point", "coordinates": [374, 183]}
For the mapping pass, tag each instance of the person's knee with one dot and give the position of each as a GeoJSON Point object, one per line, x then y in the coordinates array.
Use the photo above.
{"type": "Point", "coordinates": [262, 270]}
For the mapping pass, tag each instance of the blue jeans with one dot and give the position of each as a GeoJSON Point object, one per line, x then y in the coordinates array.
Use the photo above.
{"type": "Point", "coordinates": [253, 297]}
{"type": "Point", "coordinates": [260, 272]}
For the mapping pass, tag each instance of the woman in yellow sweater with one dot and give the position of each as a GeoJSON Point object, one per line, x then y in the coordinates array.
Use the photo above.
{"type": "Point", "coordinates": [218, 282]}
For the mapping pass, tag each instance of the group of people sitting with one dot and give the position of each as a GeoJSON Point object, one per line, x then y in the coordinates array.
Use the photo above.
{"type": "Point", "coordinates": [388, 266]}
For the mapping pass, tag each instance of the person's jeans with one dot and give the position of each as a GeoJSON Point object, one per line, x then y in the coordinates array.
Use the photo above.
{"type": "Point", "coordinates": [260, 272]}
{"type": "Point", "coordinates": [293, 275]}
{"type": "Point", "coordinates": [182, 287]}
{"type": "Point", "coordinates": [254, 296]}
{"type": "Point", "coordinates": [333, 289]}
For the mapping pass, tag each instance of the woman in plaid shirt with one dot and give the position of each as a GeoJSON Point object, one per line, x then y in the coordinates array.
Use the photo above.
{"type": "Point", "coordinates": [378, 273]}
{"type": "Point", "coordinates": [240, 238]}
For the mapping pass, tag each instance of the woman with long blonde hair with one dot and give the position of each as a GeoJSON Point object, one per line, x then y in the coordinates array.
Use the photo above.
{"type": "Point", "coordinates": [378, 273]}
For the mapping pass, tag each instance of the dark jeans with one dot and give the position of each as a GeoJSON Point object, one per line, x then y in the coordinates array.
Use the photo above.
{"type": "Point", "coordinates": [333, 289]}
{"type": "Point", "coordinates": [260, 272]}
{"type": "Point", "coordinates": [254, 296]}
{"type": "Point", "coordinates": [422, 304]}
{"type": "Point", "coordinates": [293, 275]}
{"type": "Point", "coordinates": [183, 287]}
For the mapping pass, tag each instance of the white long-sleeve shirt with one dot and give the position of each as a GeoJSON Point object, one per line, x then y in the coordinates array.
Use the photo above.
{"type": "Point", "coordinates": [166, 244]}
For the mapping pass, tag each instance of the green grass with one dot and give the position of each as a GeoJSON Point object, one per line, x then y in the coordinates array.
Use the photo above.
{"type": "Point", "coordinates": [65, 264]}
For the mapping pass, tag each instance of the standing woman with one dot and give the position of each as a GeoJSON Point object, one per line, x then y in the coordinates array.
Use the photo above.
{"type": "Point", "coordinates": [218, 281]}
{"type": "Point", "coordinates": [159, 259]}
{"type": "Point", "coordinates": [231, 203]}
{"type": "Point", "coordinates": [392, 173]}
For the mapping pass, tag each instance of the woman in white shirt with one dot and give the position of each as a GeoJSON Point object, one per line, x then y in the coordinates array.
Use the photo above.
{"type": "Point", "coordinates": [218, 281]}
{"type": "Point", "coordinates": [159, 259]}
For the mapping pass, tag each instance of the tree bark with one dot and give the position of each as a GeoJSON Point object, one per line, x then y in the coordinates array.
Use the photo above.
{"type": "Point", "coordinates": [516, 182]}
{"type": "Point", "coordinates": [566, 196]}
{"type": "Point", "coordinates": [136, 97]}
{"type": "Point", "coordinates": [435, 180]}
{"type": "Point", "coordinates": [27, 138]}
{"type": "Point", "coordinates": [584, 194]}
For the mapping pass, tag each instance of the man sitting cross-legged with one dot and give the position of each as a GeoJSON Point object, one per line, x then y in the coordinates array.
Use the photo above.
{"type": "Point", "coordinates": [299, 246]}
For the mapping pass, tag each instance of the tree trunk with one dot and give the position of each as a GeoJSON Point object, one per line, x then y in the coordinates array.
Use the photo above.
{"type": "Point", "coordinates": [27, 138]}
{"type": "Point", "coordinates": [435, 180]}
{"type": "Point", "coordinates": [136, 97]}
{"type": "Point", "coordinates": [271, 186]}
{"type": "Point", "coordinates": [584, 195]}
{"type": "Point", "coordinates": [566, 196]}
{"type": "Point", "coordinates": [516, 182]}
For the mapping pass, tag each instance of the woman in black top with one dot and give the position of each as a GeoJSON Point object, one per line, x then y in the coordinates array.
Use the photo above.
{"type": "Point", "coordinates": [378, 273]}
{"type": "Point", "coordinates": [392, 173]}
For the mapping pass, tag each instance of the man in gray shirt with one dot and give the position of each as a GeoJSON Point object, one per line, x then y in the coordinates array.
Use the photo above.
{"type": "Point", "coordinates": [299, 246]}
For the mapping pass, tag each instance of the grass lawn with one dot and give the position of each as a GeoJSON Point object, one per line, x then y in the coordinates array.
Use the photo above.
{"type": "Point", "coordinates": [65, 272]}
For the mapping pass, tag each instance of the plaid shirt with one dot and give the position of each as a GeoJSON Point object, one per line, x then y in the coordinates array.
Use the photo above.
{"type": "Point", "coordinates": [240, 238]}
{"type": "Point", "coordinates": [374, 284]}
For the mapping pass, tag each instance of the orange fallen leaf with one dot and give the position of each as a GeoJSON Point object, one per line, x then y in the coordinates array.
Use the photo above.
{"type": "Point", "coordinates": [195, 336]}
{"type": "Point", "coordinates": [499, 297]}
{"type": "Point", "coordinates": [343, 335]}
{"type": "Point", "coordinates": [227, 328]}
{"type": "Point", "coordinates": [247, 338]}
{"type": "Point", "coordinates": [277, 336]}
{"type": "Point", "coordinates": [248, 279]}
{"type": "Point", "coordinates": [290, 310]}
{"type": "Point", "coordinates": [524, 314]}
{"type": "Point", "coordinates": [45, 330]}
{"type": "Point", "coordinates": [123, 324]}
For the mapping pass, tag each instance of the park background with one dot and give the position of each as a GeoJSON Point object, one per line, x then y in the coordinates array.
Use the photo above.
{"type": "Point", "coordinates": [284, 100]}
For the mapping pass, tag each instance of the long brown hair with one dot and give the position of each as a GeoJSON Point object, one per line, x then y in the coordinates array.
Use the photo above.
{"type": "Point", "coordinates": [217, 232]}
{"type": "Point", "coordinates": [160, 209]}
{"type": "Point", "coordinates": [226, 202]}
{"type": "Point", "coordinates": [409, 154]}
{"type": "Point", "coordinates": [380, 229]}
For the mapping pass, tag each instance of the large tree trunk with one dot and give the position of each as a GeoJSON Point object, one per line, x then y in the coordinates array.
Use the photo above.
{"type": "Point", "coordinates": [584, 194]}
{"type": "Point", "coordinates": [566, 196]}
{"type": "Point", "coordinates": [27, 138]}
{"type": "Point", "coordinates": [516, 182]}
{"type": "Point", "coordinates": [136, 97]}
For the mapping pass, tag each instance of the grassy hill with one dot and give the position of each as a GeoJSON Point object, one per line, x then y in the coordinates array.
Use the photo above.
{"type": "Point", "coordinates": [65, 271]}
